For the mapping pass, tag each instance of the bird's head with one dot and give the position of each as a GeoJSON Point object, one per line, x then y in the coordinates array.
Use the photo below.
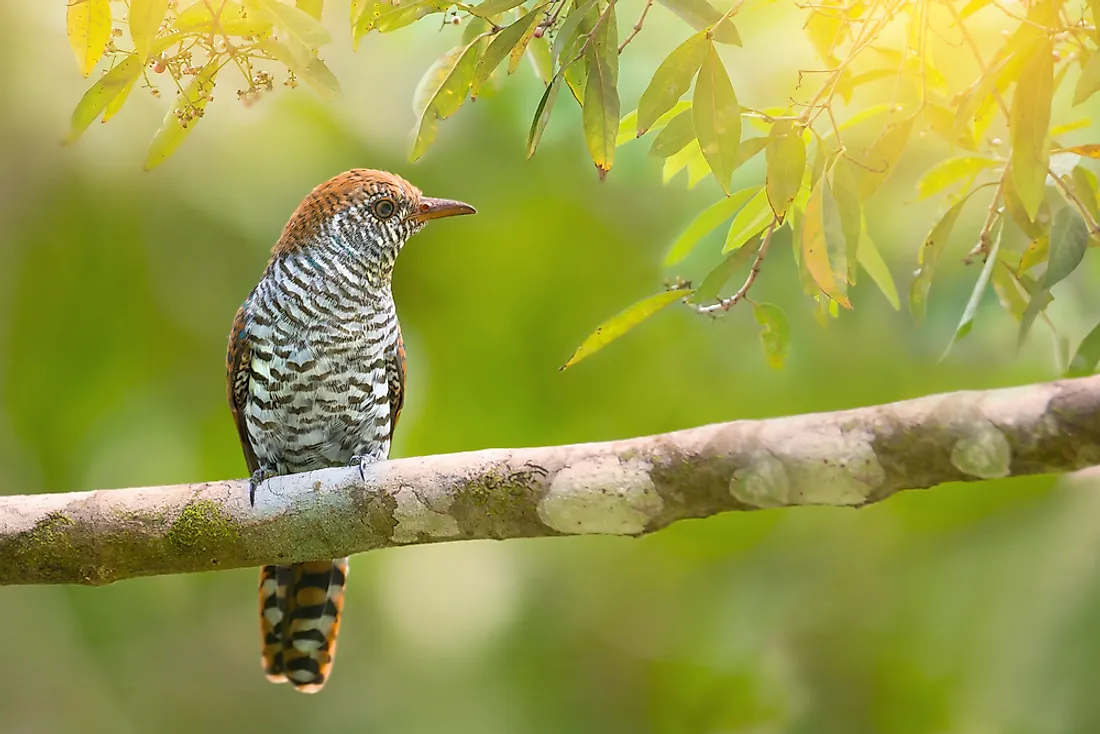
{"type": "Point", "coordinates": [365, 214]}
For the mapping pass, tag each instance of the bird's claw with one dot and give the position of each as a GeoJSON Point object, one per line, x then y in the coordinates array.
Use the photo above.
{"type": "Point", "coordinates": [257, 478]}
{"type": "Point", "coordinates": [361, 462]}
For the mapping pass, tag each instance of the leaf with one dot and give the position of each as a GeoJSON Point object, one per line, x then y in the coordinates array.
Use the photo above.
{"type": "Point", "coordinates": [679, 161]}
{"type": "Point", "coordinates": [542, 114]}
{"type": "Point", "coordinates": [786, 162]}
{"type": "Point", "coordinates": [493, 7]}
{"type": "Point", "coordinates": [823, 245]}
{"type": "Point", "coordinates": [1032, 228]}
{"type": "Point", "coordinates": [441, 92]}
{"type": "Point", "coordinates": [966, 323]}
{"type": "Point", "coordinates": [871, 260]}
{"type": "Point", "coordinates": [1037, 252]}
{"type": "Point", "coordinates": [628, 126]}
{"type": "Point", "coordinates": [1069, 237]}
{"type": "Point", "coordinates": [226, 18]}
{"type": "Point", "coordinates": [679, 131]}
{"type": "Point", "coordinates": [775, 337]}
{"type": "Point", "coordinates": [119, 99]}
{"type": "Point", "coordinates": [749, 222]}
{"type": "Point", "coordinates": [1087, 355]}
{"type": "Point", "coordinates": [707, 221]}
{"type": "Point", "coordinates": [671, 80]}
{"type": "Point", "coordinates": [1089, 150]}
{"type": "Point", "coordinates": [846, 193]}
{"type": "Point", "coordinates": [951, 171]}
{"type": "Point", "coordinates": [749, 148]}
{"type": "Point", "coordinates": [600, 114]}
{"type": "Point", "coordinates": [862, 116]}
{"type": "Point", "coordinates": [102, 93]}
{"type": "Point", "coordinates": [88, 26]}
{"type": "Point", "coordinates": [626, 320]}
{"type": "Point", "coordinates": [972, 7]}
{"type": "Point", "coordinates": [701, 15]}
{"type": "Point", "coordinates": [720, 275]}
{"type": "Point", "coordinates": [717, 117]}
{"type": "Point", "coordinates": [145, 17]}
{"type": "Point", "coordinates": [1084, 184]}
{"type": "Point", "coordinates": [1010, 292]}
{"type": "Point", "coordinates": [502, 45]}
{"type": "Point", "coordinates": [315, 8]}
{"type": "Point", "coordinates": [566, 36]}
{"type": "Point", "coordinates": [182, 118]}
{"type": "Point", "coordinates": [927, 257]}
{"type": "Point", "coordinates": [1029, 120]}
{"type": "Point", "coordinates": [315, 73]}
{"type": "Point", "coordinates": [301, 26]}
{"type": "Point", "coordinates": [1089, 81]}
{"type": "Point", "coordinates": [883, 156]}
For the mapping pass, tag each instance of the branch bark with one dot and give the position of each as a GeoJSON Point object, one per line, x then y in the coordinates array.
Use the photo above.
{"type": "Point", "coordinates": [630, 487]}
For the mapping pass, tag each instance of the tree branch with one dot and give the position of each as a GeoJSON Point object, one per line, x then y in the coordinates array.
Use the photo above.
{"type": "Point", "coordinates": [849, 458]}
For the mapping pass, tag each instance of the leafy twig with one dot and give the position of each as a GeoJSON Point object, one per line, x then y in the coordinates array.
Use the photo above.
{"type": "Point", "coordinates": [725, 304]}
{"type": "Point", "coordinates": [985, 241]}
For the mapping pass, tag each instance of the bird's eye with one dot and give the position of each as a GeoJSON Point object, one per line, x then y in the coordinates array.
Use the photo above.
{"type": "Point", "coordinates": [383, 208]}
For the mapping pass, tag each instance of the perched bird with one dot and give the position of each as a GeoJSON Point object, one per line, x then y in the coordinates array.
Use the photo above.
{"type": "Point", "coordinates": [316, 378]}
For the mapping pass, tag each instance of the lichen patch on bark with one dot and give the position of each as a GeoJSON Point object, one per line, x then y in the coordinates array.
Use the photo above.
{"type": "Point", "coordinates": [601, 495]}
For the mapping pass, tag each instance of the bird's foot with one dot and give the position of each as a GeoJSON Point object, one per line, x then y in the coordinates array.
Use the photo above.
{"type": "Point", "coordinates": [361, 462]}
{"type": "Point", "coordinates": [259, 476]}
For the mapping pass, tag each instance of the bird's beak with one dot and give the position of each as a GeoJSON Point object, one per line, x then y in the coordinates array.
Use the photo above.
{"type": "Point", "coordinates": [438, 208]}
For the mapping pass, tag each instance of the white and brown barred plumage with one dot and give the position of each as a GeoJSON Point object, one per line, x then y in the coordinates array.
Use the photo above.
{"type": "Point", "coordinates": [316, 378]}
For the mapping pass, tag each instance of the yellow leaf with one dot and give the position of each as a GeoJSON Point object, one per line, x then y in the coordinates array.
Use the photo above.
{"type": "Point", "coordinates": [145, 19]}
{"type": "Point", "coordinates": [182, 118]}
{"type": "Point", "coordinates": [88, 25]}
{"type": "Point", "coordinates": [113, 84]}
{"type": "Point", "coordinates": [626, 320]}
{"type": "Point", "coordinates": [1029, 123]}
{"type": "Point", "coordinates": [823, 244]}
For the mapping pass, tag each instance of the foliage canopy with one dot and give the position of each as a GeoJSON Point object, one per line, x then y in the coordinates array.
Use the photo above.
{"type": "Point", "coordinates": [827, 148]}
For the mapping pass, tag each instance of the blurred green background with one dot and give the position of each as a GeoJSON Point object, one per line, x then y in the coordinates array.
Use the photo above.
{"type": "Point", "coordinates": [967, 609]}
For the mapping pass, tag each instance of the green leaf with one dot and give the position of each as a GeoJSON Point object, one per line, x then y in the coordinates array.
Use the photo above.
{"type": "Point", "coordinates": [102, 93]}
{"type": "Point", "coordinates": [717, 117]}
{"type": "Point", "coordinates": [1010, 292]}
{"type": "Point", "coordinates": [883, 156]}
{"type": "Point", "coordinates": [1029, 121]}
{"type": "Point", "coordinates": [750, 221]}
{"type": "Point", "coordinates": [301, 26]}
{"type": "Point", "coordinates": [951, 171]}
{"type": "Point", "coordinates": [749, 148]}
{"type": "Point", "coordinates": [542, 114]}
{"type": "Point", "coordinates": [493, 7]}
{"type": "Point", "coordinates": [227, 18]}
{"type": "Point", "coordinates": [88, 26]}
{"type": "Point", "coordinates": [600, 114]}
{"type": "Point", "coordinates": [566, 36]}
{"type": "Point", "coordinates": [701, 15]}
{"type": "Point", "coordinates": [628, 126]}
{"type": "Point", "coordinates": [184, 115]}
{"type": "Point", "coordinates": [1087, 355]}
{"type": "Point", "coordinates": [845, 191]}
{"type": "Point", "coordinates": [786, 162]}
{"type": "Point", "coordinates": [823, 243]}
{"type": "Point", "coordinates": [966, 323]}
{"type": "Point", "coordinates": [860, 117]}
{"type": "Point", "coordinates": [1069, 236]}
{"type": "Point", "coordinates": [677, 162]}
{"type": "Point", "coordinates": [504, 44]}
{"type": "Point", "coordinates": [1084, 184]}
{"type": "Point", "coordinates": [315, 73]}
{"type": "Point", "coordinates": [1089, 81]}
{"type": "Point", "coordinates": [871, 260]}
{"type": "Point", "coordinates": [775, 336]}
{"type": "Point", "coordinates": [720, 275]}
{"type": "Point", "coordinates": [145, 17]}
{"type": "Point", "coordinates": [707, 221]}
{"type": "Point", "coordinates": [626, 320]}
{"type": "Point", "coordinates": [671, 80]}
{"type": "Point", "coordinates": [538, 52]}
{"type": "Point", "coordinates": [927, 257]}
{"type": "Point", "coordinates": [679, 131]}
{"type": "Point", "coordinates": [441, 92]}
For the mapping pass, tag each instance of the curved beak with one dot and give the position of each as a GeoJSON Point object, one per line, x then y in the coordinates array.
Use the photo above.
{"type": "Point", "coordinates": [438, 208]}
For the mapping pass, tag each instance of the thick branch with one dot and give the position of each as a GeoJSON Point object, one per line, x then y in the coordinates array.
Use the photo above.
{"type": "Point", "coordinates": [850, 458]}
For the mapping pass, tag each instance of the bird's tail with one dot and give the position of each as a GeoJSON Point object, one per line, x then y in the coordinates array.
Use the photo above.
{"type": "Point", "coordinates": [300, 609]}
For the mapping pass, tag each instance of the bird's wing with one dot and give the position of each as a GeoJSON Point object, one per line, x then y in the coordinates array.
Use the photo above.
{"type": "Point", "coordinates": [238, 360]}
{"type": "Point", "coordinates": [395, 376]}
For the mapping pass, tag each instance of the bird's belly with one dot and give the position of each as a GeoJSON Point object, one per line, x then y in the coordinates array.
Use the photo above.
{"type": "Point", "coordinates": [311, 411]}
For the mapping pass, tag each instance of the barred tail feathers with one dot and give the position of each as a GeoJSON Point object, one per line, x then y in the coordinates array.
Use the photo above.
{"type": "Point", "coordinates": [301, 646]}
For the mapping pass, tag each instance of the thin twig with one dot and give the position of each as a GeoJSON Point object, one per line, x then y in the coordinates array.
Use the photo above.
{"type": "Point", "coordinates": [985, 241]}
{"type": "Point", "coordinates": [725, 304]}
{"type": "Point", "coordinates": [637, 26]}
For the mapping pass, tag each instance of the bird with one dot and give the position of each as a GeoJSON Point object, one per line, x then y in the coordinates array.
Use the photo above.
{"type": "Point", "coordinates": [315, 370]}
